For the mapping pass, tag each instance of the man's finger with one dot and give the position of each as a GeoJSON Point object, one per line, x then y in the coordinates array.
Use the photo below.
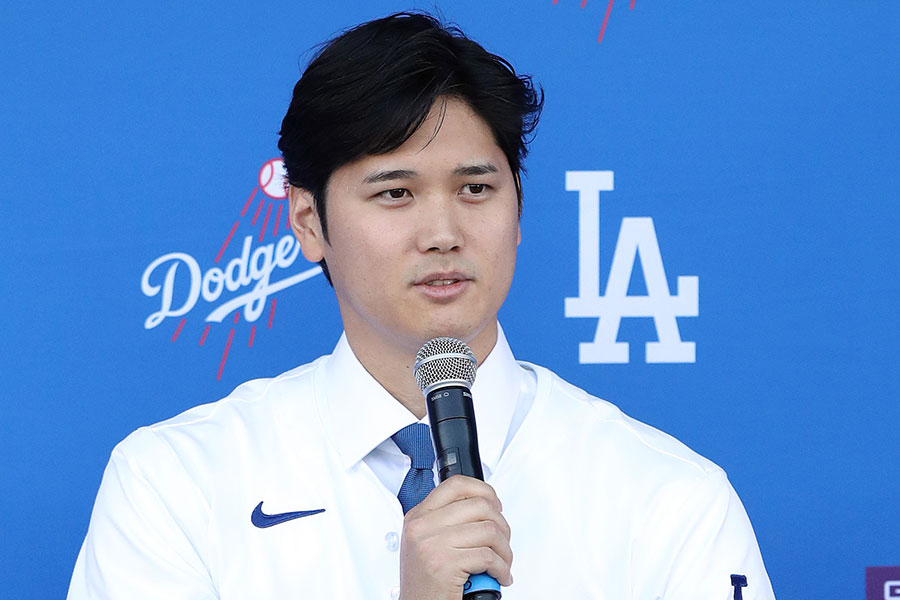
{"type": "Point", "coordinates": [482, 559]}
{"type": "Point", "coordinates": [472, 510]}
{"type": "Point", "coordinates": [456, 488]}
{"type": "Point", "coordinates": [483, 534]}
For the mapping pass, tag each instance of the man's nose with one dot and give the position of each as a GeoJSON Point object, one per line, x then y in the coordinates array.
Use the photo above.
{"type": "Point", "coordinates": [440, 228]}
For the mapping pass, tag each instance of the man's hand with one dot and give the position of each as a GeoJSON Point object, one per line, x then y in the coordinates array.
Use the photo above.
{"type": "Point", "coordinates": [456, 530]}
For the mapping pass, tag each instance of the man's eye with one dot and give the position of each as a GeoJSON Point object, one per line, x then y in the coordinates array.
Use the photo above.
{"type": "Point", "coordinates": [476, 188]}
{"type": "Point", "coordinates": [395, 194]}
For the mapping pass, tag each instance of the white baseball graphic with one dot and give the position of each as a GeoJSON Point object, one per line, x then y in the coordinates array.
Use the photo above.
{"type": "Point", "coordinates": [271, 179]}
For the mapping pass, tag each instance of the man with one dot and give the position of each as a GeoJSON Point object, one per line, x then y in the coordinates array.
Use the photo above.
{"type": "Point", "coordinates": [403, 146]}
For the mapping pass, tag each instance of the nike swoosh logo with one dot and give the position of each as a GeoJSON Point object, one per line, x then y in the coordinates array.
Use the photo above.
{"type": "Point", "coordinates": [262, 520]}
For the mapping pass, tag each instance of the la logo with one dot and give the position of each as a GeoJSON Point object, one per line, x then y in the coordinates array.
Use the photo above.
{"type": "Point", "coordinates": [637, 237]}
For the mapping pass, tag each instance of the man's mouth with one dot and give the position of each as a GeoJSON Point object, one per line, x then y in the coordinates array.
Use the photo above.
{"type": "Point", "coordinates": [440, 282]}
{"type": "Point", "coordinates": [444, 286]}
{"type": "Point", "coordinates": [437, 279]}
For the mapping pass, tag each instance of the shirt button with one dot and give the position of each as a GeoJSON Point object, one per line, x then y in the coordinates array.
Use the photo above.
{"type": "Point", "coordinates": [392, 541]}
{"type": "Point", "coordinates": [395, 593]}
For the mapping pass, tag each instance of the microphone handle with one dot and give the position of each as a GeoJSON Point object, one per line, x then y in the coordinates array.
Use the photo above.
{"type": "Point", "coordinates": [452, 418]}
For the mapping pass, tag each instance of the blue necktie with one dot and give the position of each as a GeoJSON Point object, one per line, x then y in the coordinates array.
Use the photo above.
{"type": "Point", "coordinates": [415, 442]}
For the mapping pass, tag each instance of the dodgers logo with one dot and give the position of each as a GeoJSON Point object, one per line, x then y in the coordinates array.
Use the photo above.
{"type": "Point", "coordinates": [637, 237]}
{"type": "Point", "coordinates": [242, 286]}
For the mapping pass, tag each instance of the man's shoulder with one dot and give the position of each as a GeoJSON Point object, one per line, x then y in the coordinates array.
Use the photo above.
{"type": "Point", "coordinates": [254, 409]}
{"type": "Point", "coordinates": [599, 425]}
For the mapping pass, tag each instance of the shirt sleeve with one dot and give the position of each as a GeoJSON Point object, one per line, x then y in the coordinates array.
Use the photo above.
{"type": "Point", "coordinates": [706, 538]}
{"type": "Point", "coordinates": [145, 535]}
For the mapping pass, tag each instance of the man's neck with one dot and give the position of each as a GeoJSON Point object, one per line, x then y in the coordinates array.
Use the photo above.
{"type": "Point", "coordinates": [392, 365]}
{"type": "Point", "coordinates": [394, 371]}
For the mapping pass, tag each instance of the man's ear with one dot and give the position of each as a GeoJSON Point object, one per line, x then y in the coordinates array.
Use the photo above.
{"type": "Point", "coordinates": [306, 224]}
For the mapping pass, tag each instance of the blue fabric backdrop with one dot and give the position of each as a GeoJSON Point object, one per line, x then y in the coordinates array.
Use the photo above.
{"type": "Point", "coordinates": [761, 139]}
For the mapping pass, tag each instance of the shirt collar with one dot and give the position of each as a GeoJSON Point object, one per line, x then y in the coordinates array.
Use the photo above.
{"type": "Point", "coordinates": [359, 414]}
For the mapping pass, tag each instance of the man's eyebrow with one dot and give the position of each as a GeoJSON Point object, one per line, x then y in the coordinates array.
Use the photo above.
{"type": "Point", "coordinates": [474, 170]}
{"type": "Point", "coordinates": [381, 176]}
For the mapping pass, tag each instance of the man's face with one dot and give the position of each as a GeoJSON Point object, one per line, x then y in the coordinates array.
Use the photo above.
{"type": "Point", "coordinates": [421, 241]}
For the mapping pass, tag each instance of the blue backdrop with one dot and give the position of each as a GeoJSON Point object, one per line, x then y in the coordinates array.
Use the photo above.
{"type": "Point", "coordinates": [759, 139]}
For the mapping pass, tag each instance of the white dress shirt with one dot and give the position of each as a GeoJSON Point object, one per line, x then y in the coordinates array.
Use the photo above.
{"type": "Point", "coordinates": [363, 430]}
{"type": "Point", "coordinates": [600, 506]}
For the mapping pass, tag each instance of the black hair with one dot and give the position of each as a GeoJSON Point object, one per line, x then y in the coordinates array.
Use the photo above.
{"type": "Point", "coordinates": [369, 89]}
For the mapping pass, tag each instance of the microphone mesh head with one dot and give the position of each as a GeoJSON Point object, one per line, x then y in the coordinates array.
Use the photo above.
{"type": "Point", "coordinates": [444, 359]}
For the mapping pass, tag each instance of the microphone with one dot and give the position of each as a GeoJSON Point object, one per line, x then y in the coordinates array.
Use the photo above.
{"type": "Point", "coordinates": [445, 370]}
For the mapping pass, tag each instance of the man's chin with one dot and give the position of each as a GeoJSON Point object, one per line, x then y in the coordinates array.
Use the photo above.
{"type": "Point", "coordinates": [476, 335]}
